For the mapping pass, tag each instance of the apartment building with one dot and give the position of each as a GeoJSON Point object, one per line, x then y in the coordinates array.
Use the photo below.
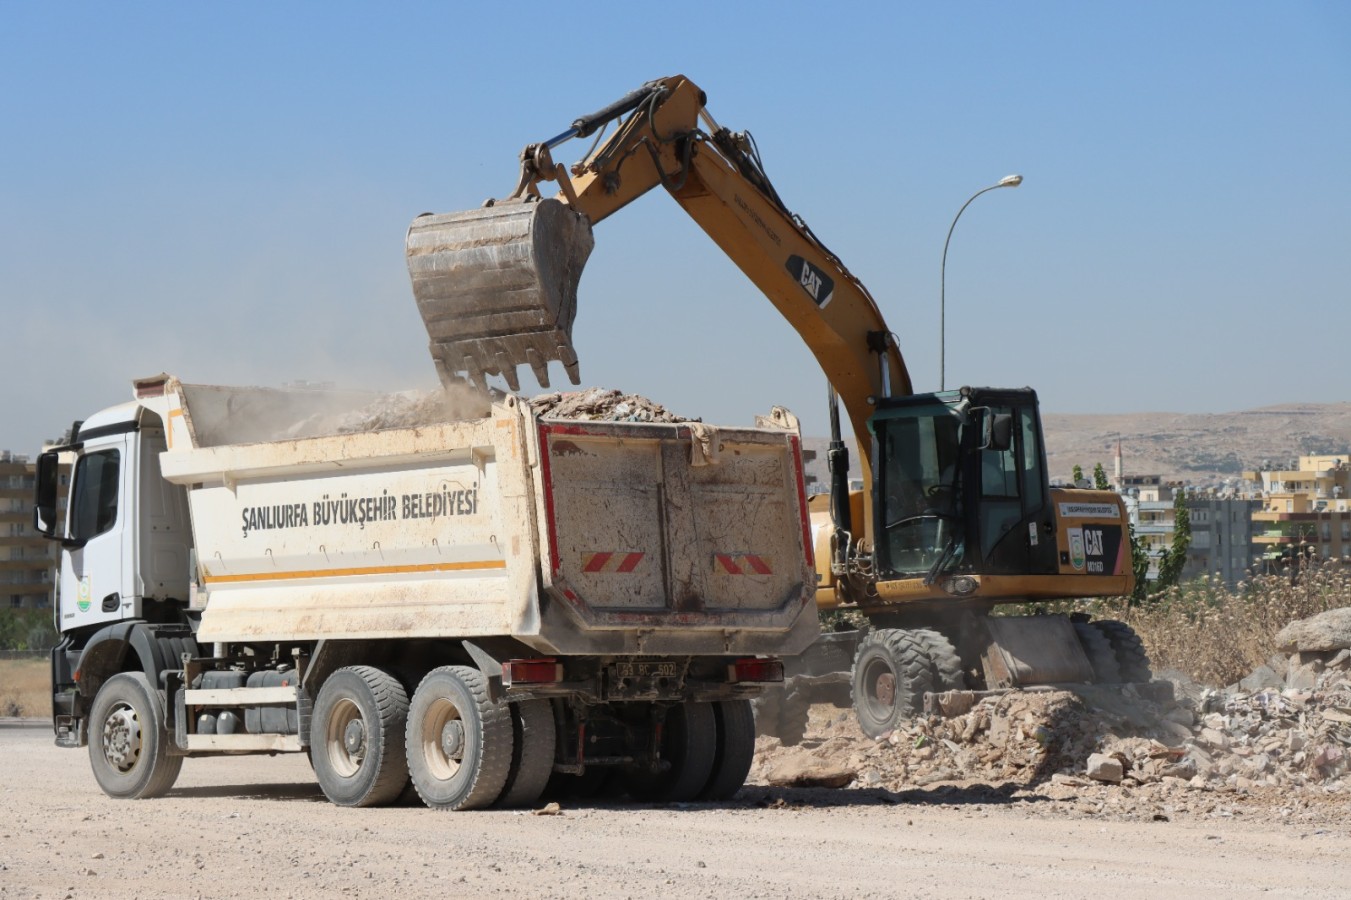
{"type": "Point", "coordinates": [1305, 510]}
{"type": "Point", "coordinates": [27, 560]}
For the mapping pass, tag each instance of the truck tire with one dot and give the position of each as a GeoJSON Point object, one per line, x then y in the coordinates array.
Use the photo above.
{"type": "Point", "coordinates": [128, 746]}
{"type": "Point", "coordinates": [945, 666]}
{"type": "Point", "coordinates": [1131, 658]}
{"type": "Point", "coordinates": [532, 761]}
{"type": "Point", "coordinates": [689, 740]}
{"type": "Point", "coordinates": [356, 737]}
{"type": "Point", "coordinates": [733, 750]}
{"type": "Point", "coordinates": [1099, 652]}
{"type": "Point", "coordinates": [459, 740]}
{"type": "Point", "coordinates": [892, 673]}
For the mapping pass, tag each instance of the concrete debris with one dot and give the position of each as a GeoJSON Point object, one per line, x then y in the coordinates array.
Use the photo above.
{"type": "Point", "coordinates": [1102, 767]}
{"type": "Point", "coordinates": [803, 772]}
{"type": "Point", "coordinates": [602, 404]}
{"type": "Point", "coordinates": [1327, 631]}
{"type": "Point", "coordinates": [1263, 734]}
{"type": "Point", "coordinates": [415, 409]}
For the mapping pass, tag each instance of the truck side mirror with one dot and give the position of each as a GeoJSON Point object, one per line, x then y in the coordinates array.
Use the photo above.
{"type": "Point", "coordinates": [44, 495]}
{"type": "Point", "coordinates": [998, 432]}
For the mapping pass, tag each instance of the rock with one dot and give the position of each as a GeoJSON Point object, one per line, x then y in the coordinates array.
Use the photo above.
{"type": "Point", "coordinates": [807, 772]}
{"type": "Point", "coordinates": [1180, 716]}
{"type": "Point", "coordinates": [1303, 676]}
{"type": "Point", "coordinates": [1102, 767]}
{"type": "Point", "coordinates": [1214, 738]}
{"type": "Point", "coordinates": [548, 809]}
{"type": "Point", "coordinates": [1324, 632]}
{"type": "Point", "coordinates": [1261, 677]}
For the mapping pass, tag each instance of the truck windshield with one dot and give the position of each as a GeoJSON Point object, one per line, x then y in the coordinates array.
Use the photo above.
{"type": "Point", "coordinates": [919, 488]}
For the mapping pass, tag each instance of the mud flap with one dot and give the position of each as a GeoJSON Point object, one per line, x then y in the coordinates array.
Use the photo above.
{"type": "Point", "coordinates": [497, 288]}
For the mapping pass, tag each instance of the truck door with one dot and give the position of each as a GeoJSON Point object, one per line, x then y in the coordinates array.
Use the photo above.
{"type": "Point", "coordinates": [95, 578]}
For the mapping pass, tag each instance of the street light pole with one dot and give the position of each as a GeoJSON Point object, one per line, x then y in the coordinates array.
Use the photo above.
{"type": "Point", "coordinates": [1006, 181]}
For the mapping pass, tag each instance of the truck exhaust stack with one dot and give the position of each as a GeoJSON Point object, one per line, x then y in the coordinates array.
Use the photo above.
{"type": "Point", "coordinates": [497, 288]}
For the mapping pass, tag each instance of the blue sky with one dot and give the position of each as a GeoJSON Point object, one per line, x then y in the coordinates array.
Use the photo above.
{"type": "Point", "coordinates": [221, 192]}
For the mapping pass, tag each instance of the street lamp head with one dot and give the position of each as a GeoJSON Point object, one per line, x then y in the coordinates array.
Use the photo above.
{"type": "Point", "coordinates": [1010, 181]}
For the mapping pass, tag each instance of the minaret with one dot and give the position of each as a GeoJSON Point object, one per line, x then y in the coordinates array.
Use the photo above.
{"type": "Point", "coordinates": [1116, 467]}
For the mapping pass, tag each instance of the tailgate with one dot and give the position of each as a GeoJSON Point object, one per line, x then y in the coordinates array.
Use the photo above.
{"type": "Point", "coordinates": [675, 525]}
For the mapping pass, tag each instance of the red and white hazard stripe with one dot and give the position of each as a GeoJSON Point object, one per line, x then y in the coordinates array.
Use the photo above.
{"type": "Point", "coordinates": [602, 561]}
{"type": "Point", "coordinates": [741, 564]}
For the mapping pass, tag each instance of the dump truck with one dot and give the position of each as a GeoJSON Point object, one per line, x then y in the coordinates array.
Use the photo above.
{"type": "Point", "coordinates": [956, 516]}
{"type": "Point", "coordinates": [485, 609]}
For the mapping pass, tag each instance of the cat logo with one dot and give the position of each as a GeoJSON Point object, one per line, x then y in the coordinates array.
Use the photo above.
{"type": "Point", "coordinates": [818, 285]}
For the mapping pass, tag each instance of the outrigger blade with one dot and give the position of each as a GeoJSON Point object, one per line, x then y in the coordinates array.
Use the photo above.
{"type": "Point", "coordinates": [497, 288]}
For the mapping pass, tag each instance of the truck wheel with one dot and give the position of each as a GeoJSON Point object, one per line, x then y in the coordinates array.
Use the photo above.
{"type": "Point", "coordinates": [1099, 652]}
{"type": "Point", "coordinates": [733, 750]}
{"type": "Point", "coordinates": [532, 761]}
{"type": "Point", "coordinates": [688, 743]}
{"type": "Point", "coordinates": [891, 675]}
{"type": "Point", "coordinates": [128, 746]}
{"type": "Point", "coordinates": [459, 741]}
{"type": "Point", "coordinates": [944, 664]}
{"type": "Point", "coordinates": [1129, 650]}
{"type": "Point", "coordinates": [356, 737]}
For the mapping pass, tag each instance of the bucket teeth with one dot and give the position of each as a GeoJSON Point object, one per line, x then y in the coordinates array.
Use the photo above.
{"type": "Point", "coordinates": [497, 288]}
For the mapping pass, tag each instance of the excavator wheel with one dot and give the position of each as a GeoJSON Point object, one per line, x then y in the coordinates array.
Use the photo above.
{"type": "Point", "coordinates": [781, 712]}
{"type": "Point", "coordinates": [1100, 654]}
{"type": "Point", "coordinates": [1131, 658]}
{"type": "Point", "coordinates": [892, 673]}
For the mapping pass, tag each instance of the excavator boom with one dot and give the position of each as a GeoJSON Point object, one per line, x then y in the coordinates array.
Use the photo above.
{"type": "Point", "coordinates": [497, 286]}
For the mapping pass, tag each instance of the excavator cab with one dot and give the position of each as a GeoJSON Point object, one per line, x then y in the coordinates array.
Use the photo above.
{"type": "Point", "coordinates": [962, 486]}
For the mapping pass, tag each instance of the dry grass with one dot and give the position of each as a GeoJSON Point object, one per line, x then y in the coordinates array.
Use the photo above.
{"type": "Point", "coordinates": [1217, 635]}
{"type": "Point", "coordinates": [25, 688]}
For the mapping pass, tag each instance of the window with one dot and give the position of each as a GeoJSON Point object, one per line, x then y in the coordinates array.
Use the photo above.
{"type": "Point", "coordinates": [94, 509]}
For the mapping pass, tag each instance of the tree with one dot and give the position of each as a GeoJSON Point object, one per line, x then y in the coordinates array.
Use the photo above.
{"type": "Point", "coordinates": [1100, 478]}
{"type": "Point", "coordinates": [1139, 567]}
{"type": "Point", "coordinates": [1174, 559]}
{"type": "Point", "coordinates": [1077, 474]}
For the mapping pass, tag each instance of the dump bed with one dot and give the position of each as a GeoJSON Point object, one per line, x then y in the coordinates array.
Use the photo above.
{"type": "Point", "coordinates": [572, 537]}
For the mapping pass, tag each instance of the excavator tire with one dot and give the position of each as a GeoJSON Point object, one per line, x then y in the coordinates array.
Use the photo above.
{"type": "Point", "coordinates": [892, 673]}
{"type": "Point", "coordinates": [781, 713]}
{"type": "Point", "coordinates": [945, 666]}
{"type": "Point", "coordinates": [1131, 658]}
{"type": "Point", "coordinates": [1100, 654]}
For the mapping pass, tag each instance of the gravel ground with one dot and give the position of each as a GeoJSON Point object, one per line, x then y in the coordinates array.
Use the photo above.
{"type": "Point", "coordinates": [254, 826]}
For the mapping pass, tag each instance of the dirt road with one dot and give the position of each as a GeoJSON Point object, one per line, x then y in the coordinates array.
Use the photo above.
{"type": "Point", "coordinates": [246, 827]}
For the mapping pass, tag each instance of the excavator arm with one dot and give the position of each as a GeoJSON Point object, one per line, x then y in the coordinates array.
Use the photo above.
{"type": "Point", "coordinates": [497, 286]}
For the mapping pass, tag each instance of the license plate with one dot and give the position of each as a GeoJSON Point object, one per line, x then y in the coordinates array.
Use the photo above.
{"type": "Point", "coordinates": [645, 670]}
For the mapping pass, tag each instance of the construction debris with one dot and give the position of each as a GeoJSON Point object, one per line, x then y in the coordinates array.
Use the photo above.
{"type": "Point", "coordinates": [416, 409]}
{"type": "Point", "coordinates": [602, 404]}
{"type": "Point", "coordinates": [1058, 743]}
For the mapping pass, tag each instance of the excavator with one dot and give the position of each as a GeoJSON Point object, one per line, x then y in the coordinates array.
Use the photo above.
{"type": "Point", "coordinates": [956, 516]}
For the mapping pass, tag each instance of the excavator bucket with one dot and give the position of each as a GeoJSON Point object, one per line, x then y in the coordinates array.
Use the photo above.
{"type": "Point", "coordinates": [497, 288]}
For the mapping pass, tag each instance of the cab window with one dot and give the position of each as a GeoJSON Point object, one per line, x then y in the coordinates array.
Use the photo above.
{"type": "Point", "coordinates": [94, 507]}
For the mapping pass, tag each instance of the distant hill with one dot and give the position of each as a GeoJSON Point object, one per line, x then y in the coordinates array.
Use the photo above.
{"type": "Point", "coordinates": [1201, 449]}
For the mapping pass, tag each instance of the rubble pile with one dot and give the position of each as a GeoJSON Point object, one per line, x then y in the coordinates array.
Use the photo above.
{"type": "Point", "coordinates": [414, 409]}
{"type": "Point", "coordinates": [1271, 731]}
{"type": "Point", "coordinates": [602, 404]}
